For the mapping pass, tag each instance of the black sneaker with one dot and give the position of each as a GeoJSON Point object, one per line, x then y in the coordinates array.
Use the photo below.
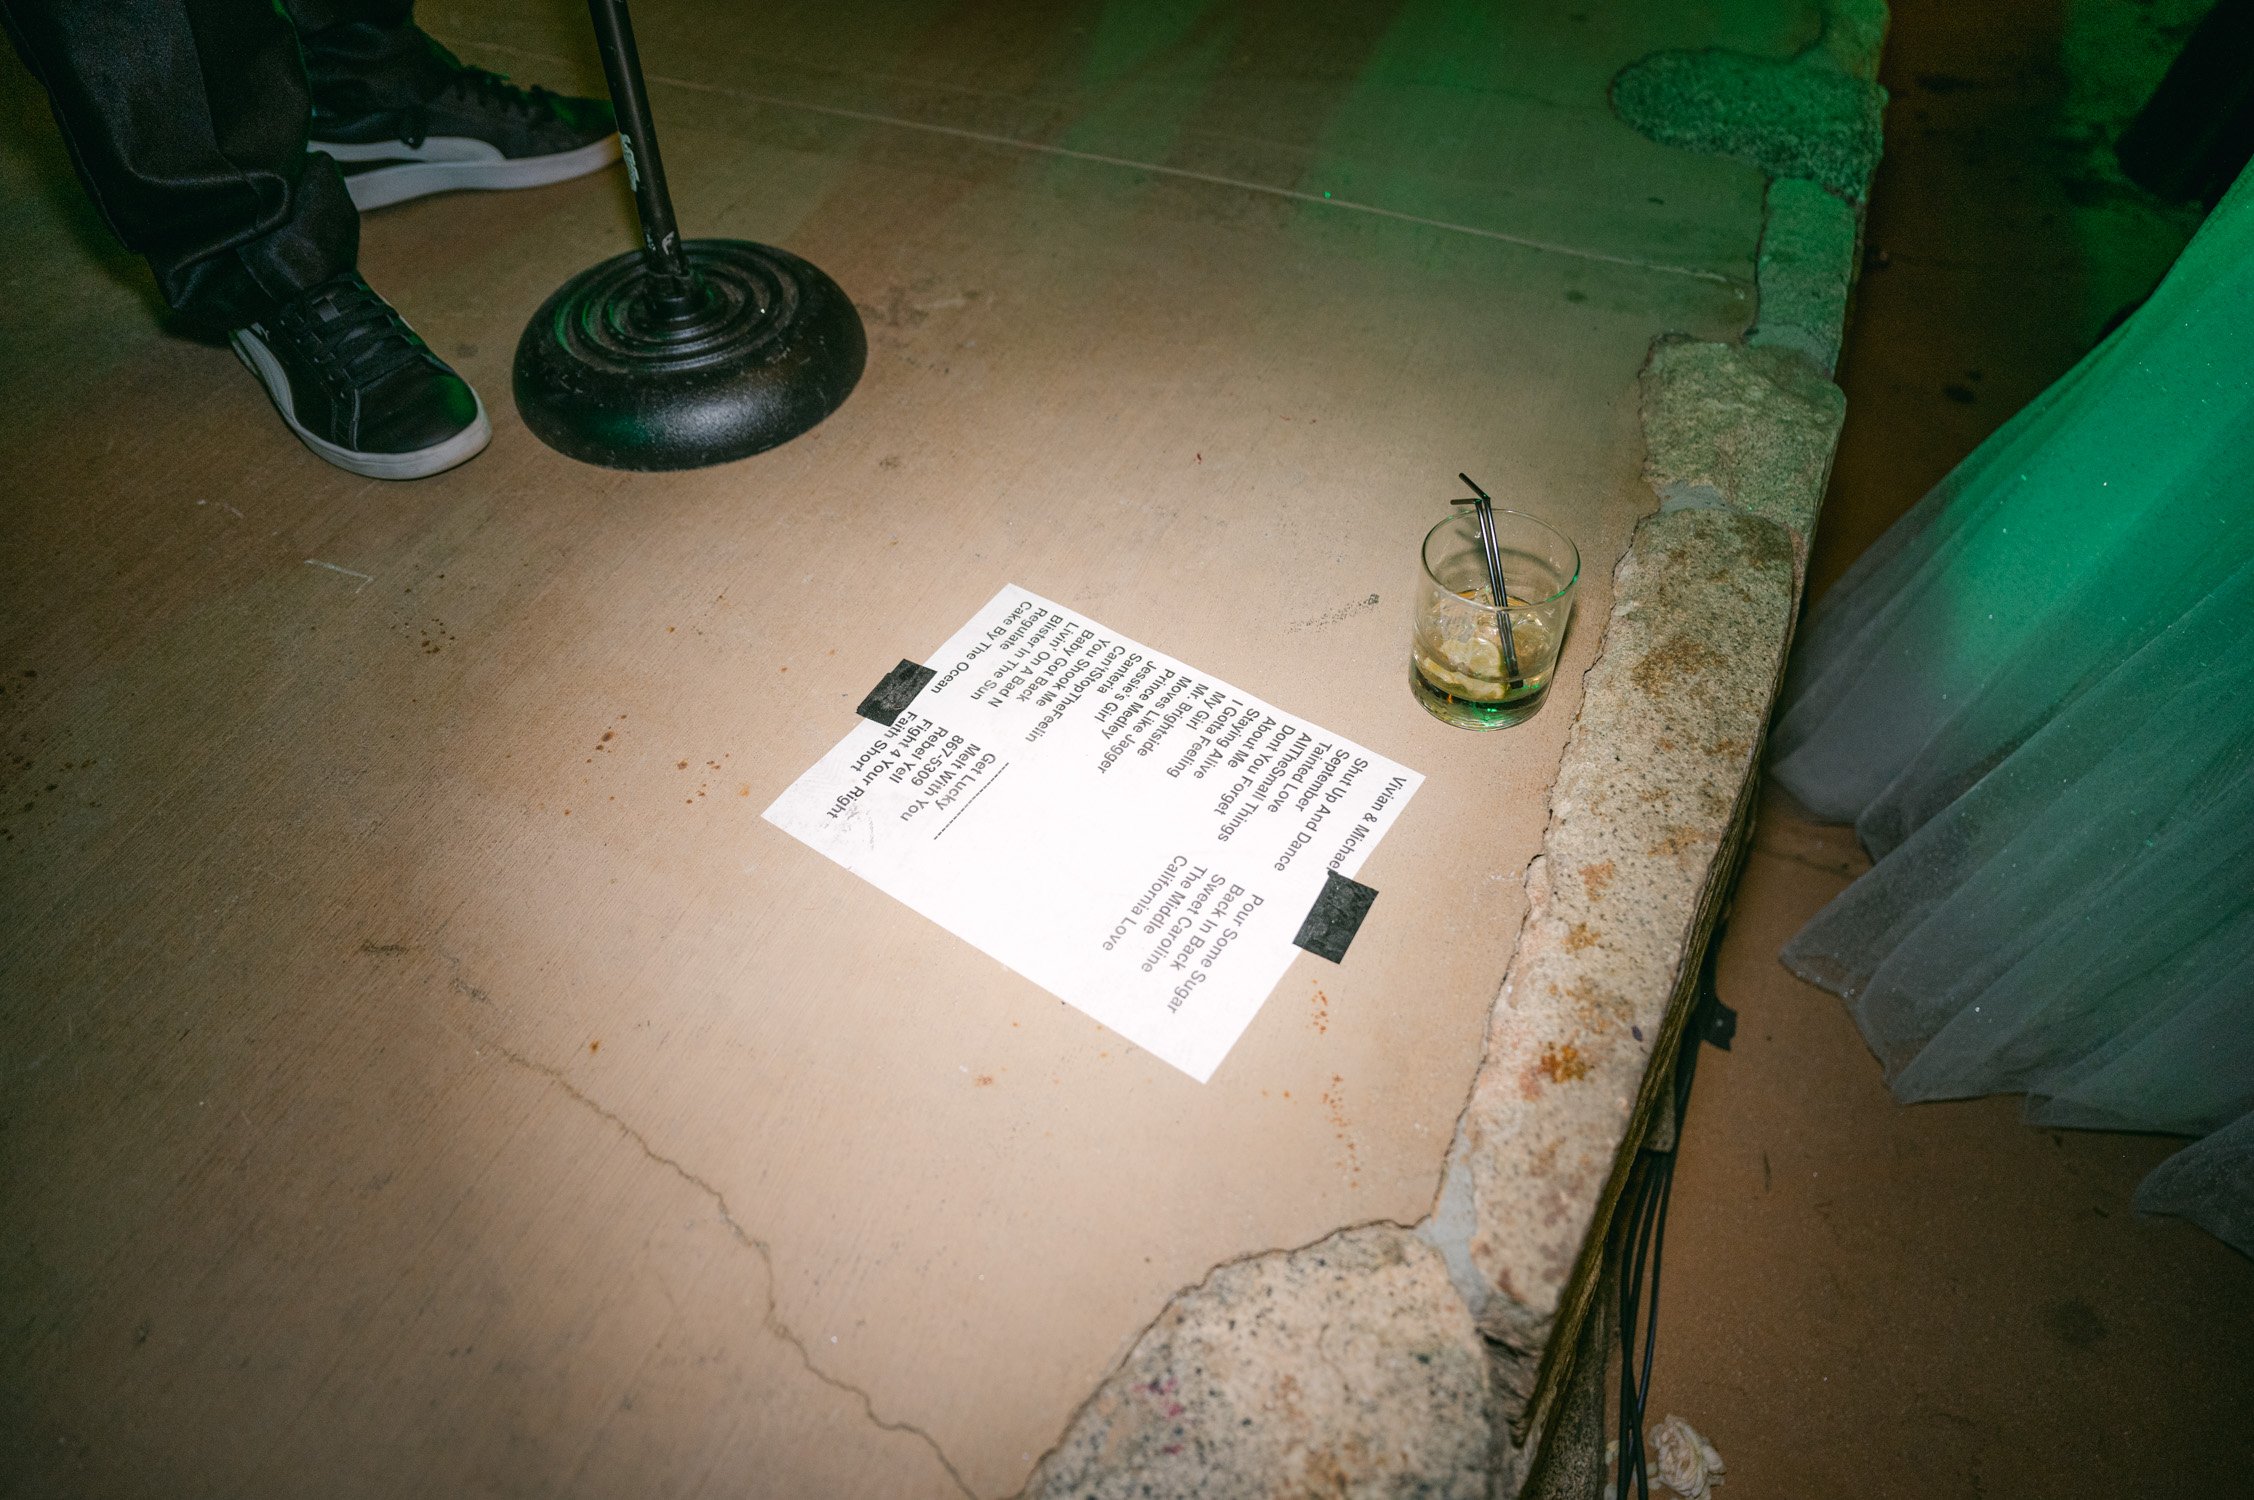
{"type": "Point", "coordinates": [353, 380]}
{"type": "Point", "coordinates": [404, 117]}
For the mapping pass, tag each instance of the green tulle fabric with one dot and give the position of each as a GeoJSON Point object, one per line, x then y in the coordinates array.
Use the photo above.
{"type": "Point", "coordinates": [2034, 697]}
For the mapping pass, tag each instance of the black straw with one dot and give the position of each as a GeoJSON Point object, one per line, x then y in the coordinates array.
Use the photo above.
{"type": "Point", "coordinates": [1491, 544]}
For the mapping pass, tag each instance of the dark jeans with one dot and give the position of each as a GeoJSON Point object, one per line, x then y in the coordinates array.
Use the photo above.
{"type": "Point", "coordinates": [187, 121]}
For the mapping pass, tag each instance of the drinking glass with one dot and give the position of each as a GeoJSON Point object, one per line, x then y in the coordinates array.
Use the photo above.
{"type": "Point", "coordinates": [1457, 666]}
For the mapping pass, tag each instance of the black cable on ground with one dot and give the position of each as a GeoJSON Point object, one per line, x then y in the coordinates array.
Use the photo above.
{"type": "Point", "coordinates": [1640, 1230]}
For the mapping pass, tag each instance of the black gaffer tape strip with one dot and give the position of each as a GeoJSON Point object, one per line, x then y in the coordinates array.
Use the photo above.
{"type": "Point", "coordinates": [1335, 917]}
{"type": "Point", "coordinates": [895, 693]}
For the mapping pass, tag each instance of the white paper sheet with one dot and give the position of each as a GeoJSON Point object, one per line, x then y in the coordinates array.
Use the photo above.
{"type": "Point", "coordinates": [1136, 838]}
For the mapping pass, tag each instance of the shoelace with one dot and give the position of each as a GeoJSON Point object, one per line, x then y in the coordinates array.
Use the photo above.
{"type": "Point", "coordinates": [350, 331]}
{"type": "Point", "coordinates": [480, 86]}
{"type": "Point", "coordinates": [489, 87]}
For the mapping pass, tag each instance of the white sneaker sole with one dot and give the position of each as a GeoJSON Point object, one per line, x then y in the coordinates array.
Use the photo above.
{"type": "Point", "coordinates": [420, 464]}
{"type": "Point", "coordinates": [451, 163]}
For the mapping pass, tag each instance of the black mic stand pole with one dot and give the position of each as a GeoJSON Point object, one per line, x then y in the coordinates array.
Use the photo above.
{"type": "Point", "coordinates": [685, 352]}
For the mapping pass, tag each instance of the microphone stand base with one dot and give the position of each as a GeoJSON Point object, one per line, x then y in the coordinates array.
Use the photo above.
{"type": "Point", "coordinates": [630, 368]}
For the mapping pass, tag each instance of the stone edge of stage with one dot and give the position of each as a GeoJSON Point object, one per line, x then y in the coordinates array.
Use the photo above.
{"type": "Point", "coordinates": [1438, 1355]}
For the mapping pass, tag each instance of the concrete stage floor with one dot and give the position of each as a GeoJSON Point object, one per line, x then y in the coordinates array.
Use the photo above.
{"type": "Point", "coordinates": [428, 1075]}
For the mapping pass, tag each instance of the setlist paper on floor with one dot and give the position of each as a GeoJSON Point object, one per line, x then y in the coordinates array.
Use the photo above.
{"type": "Point", "coordinates": [1139, 839]}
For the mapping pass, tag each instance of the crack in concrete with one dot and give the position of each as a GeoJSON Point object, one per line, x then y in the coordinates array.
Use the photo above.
{"type": "Point", "coordinates": [759, 1247]}
{"type": "Point", "coordinates": [771, 1317]}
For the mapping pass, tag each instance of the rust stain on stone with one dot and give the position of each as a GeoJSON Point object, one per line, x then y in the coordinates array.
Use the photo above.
{"type": "Point", "coordinates": [1590, 1010]}
{"type": "Point", "coordinates": [1594, 878]}
{"type": "Point", "coordinates": [1578, 936]}
{"type": "Point", "coordinates": [1562, 1064]}
{"type": "Point", "coordinates": [1679, 841]}
{"type": "Point", "coordinates": [1678, 659]}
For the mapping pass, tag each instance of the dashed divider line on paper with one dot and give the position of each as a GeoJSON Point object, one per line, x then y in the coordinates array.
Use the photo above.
{"type": "Point", "coordinates": [974, 796]}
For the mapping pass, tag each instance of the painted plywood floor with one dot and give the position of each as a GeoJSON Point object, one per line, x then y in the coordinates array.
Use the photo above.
{"type": "Point", "coordinates": [428, 1074]}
